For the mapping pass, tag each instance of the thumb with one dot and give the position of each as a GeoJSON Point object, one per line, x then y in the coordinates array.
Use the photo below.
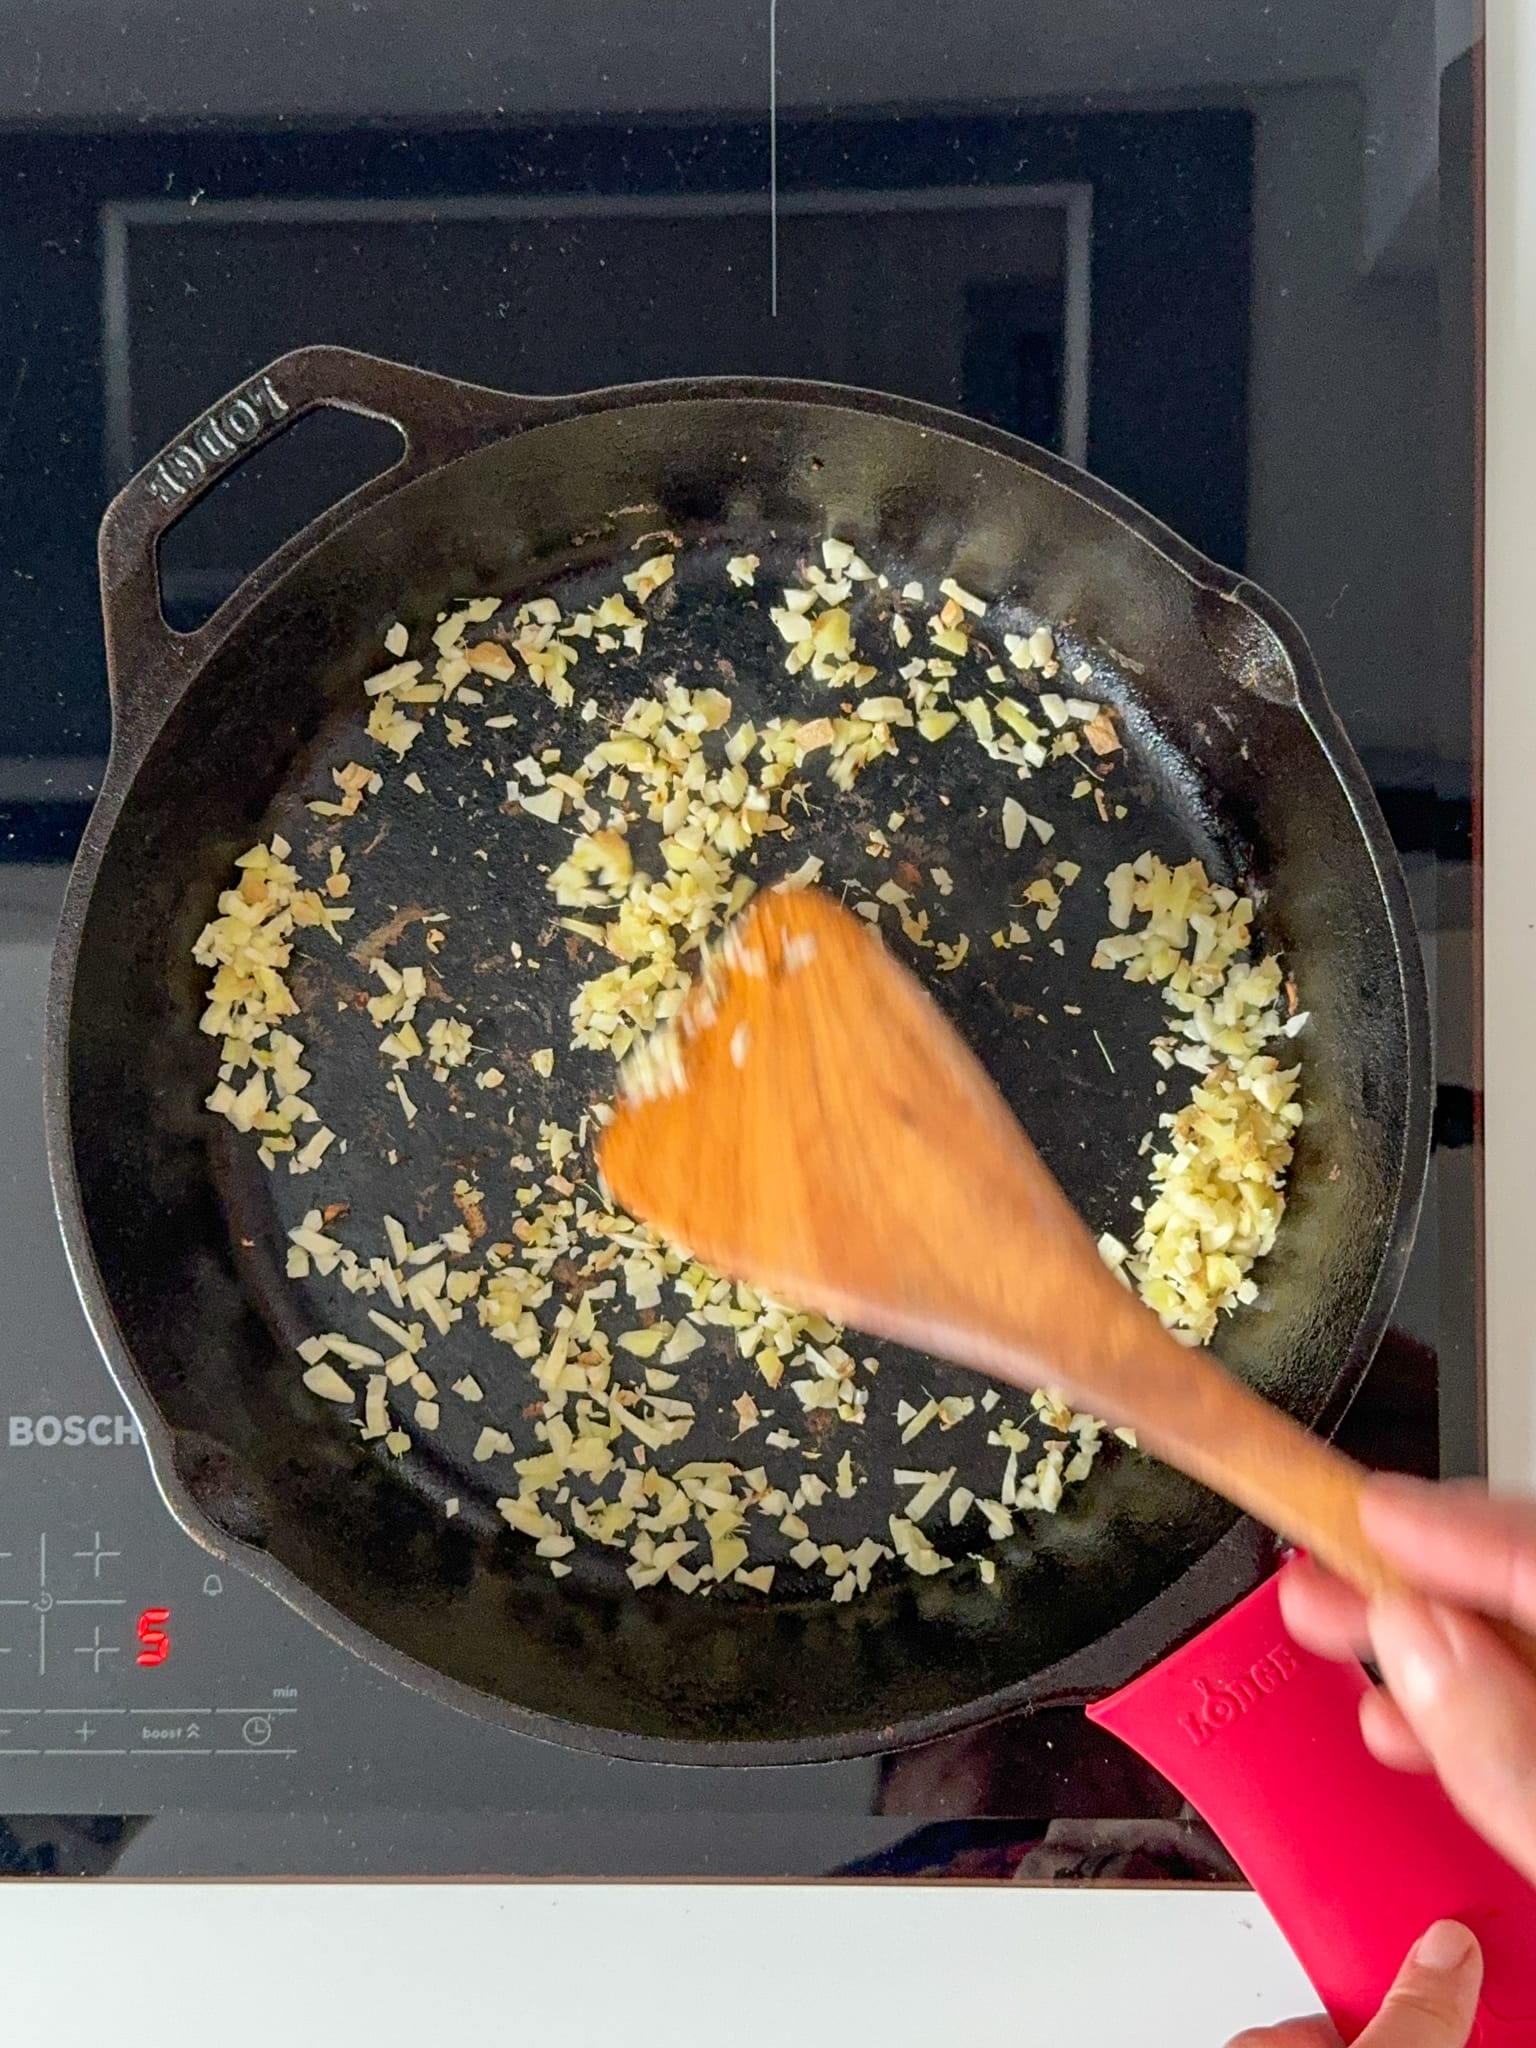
{"type": "Point", "coordinates": [1434, 2001]}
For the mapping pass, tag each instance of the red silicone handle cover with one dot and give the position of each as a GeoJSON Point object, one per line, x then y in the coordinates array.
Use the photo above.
{"type": "Point", "coordinates": [1353, 1860]}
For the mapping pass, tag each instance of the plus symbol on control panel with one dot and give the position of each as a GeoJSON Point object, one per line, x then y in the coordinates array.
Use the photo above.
{"type": "Point", "coordinates": [45, 1602]}
{"type": "Point", "coordinates": [96, 1649]}
{"type": "Point", "coordinates": [5, 1556]}
{"type": "Point", "coordinates": [96, 1557]}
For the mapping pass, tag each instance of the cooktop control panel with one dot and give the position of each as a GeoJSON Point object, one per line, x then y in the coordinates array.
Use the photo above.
{"type": "Point", "coordinates": [91, 1650]}
{"type": "Point", "coordinates": [122, 1643]}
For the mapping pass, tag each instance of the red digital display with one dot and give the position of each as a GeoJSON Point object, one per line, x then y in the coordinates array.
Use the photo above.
{"type": "Point", "coordinates": [154, 1635]}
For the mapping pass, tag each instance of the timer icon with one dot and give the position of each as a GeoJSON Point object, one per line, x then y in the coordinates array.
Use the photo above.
{"type": "Point", "coordinates": [256, 1731]}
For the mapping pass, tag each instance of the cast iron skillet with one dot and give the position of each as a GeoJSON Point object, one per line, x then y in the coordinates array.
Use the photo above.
{"type": "Point", "coordinates": [176, 1239]}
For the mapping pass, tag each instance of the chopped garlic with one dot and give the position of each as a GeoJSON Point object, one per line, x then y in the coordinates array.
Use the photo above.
{"type": "Point", "coordinates": [673, 803]}
{"type": "Point", "coordinates": [545, 804]}
{"type": "Point", "coordinates": [1218, 1190]}
{"type": "Point", "coordinates": [964, 598]}
{"type": "Point", "coordinates": [650, 576]}
{"type": "Point", "coordinates": [328, 1383]}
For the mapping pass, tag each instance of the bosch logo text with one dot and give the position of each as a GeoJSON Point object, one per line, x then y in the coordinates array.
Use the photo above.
{"type": "Point", "coordinates": [73, 1432]}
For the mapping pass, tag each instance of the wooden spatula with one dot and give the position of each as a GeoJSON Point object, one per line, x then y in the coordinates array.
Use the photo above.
{"type": "Point", "coordinates": [814, 1126]}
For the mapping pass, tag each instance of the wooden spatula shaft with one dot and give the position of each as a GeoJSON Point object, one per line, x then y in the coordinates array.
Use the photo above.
{"type": "Point", "coordinates": [1221, 1433]}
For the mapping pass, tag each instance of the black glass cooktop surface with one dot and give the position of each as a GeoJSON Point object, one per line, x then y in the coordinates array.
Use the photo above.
{"type": "Point", "coordinates": [1226, 263]}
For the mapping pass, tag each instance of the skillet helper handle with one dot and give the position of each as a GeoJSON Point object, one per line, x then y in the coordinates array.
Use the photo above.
{"type": "Point", "coordinates": [437, 417]}
{"type": "Point", "coordinates": [1354, 1860]}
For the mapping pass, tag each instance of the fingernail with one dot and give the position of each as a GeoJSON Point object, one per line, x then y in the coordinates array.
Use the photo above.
{"type": "Point", "coordinates": [1413, 1650]}
{"type": "Point", "coordinates": [1445, 1947]}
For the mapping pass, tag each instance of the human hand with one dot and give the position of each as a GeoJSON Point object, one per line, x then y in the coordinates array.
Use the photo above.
{"type": "Point", "coordinates": [1457, 1700]}
{"type": "Point", "coordinates": [1431, 2005]}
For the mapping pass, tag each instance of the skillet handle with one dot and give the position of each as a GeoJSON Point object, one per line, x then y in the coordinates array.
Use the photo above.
{"type": "Point", "coordinates": [438, 418]}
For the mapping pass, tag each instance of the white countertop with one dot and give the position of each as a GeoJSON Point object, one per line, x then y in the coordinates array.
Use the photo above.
{"type": "Point", "coordinates": [311, 1966]}
{"type": "Point", "coordinates": [1509, 741]}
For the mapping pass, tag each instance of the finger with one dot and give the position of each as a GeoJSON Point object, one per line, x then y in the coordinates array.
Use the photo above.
{"type": "Point", "coordinates": [1433, 2003]}
{"type": "Point", "coordinates": [1323, 1613]}
{"type": "Point", "coordinates": [1388, 1736]}
{"type": "Point", "coordinates": [1472, 1704]}
{"type": "Point", "coordinates": [1315, 2032]}
{"type": "Point", "coordinates": [1455, 1542]}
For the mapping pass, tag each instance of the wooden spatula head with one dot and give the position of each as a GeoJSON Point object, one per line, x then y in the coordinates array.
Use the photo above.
{"type": "Point", "coordinates": [813, 1124]}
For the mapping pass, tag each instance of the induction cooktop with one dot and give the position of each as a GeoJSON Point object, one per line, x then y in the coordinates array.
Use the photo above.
{"type": "Point", "coordinates": [1199, 258]}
